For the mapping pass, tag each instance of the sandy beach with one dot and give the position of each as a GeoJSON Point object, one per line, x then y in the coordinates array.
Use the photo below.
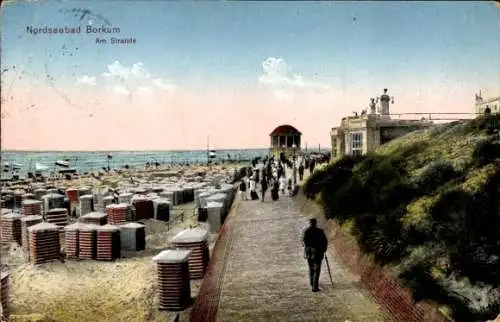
{"type": "Point", "coordinates": [121, 290]}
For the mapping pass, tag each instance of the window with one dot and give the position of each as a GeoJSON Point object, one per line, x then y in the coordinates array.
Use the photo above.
{"type": "Point", "coordinates": [356, 144]}
{"type": "Point", "coordinates": [335, 143]}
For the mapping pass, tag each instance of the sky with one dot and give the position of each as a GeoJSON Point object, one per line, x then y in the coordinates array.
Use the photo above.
{"type": "Point", "coordinates": [232, 70]}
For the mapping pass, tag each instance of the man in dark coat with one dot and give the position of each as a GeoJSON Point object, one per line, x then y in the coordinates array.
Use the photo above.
{"type": "Point", "coordinates": [315, 246]}
{"type": "Point", "coordinates": [264, 187]}
{"type": "Point", "coordinates": [243, 189]}
{"type": "Point", "coordinates": [312, 165]}
{"type": "Point", "coordinates": [301, 172]}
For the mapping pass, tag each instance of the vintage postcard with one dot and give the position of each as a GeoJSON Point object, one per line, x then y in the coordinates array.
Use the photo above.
{"type": "Point", "coordinates": [250, 161]}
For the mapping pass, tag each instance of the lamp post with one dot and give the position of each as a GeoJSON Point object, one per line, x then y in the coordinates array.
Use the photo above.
{"type": "Point", "coordinates": [294, 167]}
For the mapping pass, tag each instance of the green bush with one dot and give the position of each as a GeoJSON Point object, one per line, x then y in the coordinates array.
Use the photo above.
{"type": "Point", "coordinates": [314, 183]}
{"type": "Point", "coordinates": [435, 175]}
{"type": "Point", "coordinates": [380, 236]}
{"type": "Point", "coordinates": [486, 151]}
{"type": "Point", "coordinates": [483, 123]}
{"type": "Point", "coordinates": [331, 177]}
{"type": "Point", "coordinates": [375, 183]}
{"type": "Point", "coordinates": [475, 252]}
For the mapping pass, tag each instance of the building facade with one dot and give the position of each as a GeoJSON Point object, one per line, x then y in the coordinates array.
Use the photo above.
{"type": "Point", "coordinates": [363, 134]}
{"type": "Point", "coordinates": [482, 104]}
{"type": "Point", "coordinates": [285, 139]}
{"type": "Point", "coordinates": [359, 135]}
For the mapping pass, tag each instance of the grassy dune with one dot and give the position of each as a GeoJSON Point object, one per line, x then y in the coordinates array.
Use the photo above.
{"type": "Point", "coordinates": [431, 210]}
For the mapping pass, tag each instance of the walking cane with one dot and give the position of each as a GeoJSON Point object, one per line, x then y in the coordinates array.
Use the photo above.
{"type": "Point", "coordinates": [328, 267]}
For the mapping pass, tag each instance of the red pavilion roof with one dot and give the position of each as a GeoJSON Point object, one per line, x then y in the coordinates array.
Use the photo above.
{"type": "Point", "coordinates": [285, 129]}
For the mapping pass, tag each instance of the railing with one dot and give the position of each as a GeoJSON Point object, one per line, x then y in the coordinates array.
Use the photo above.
{"type": "Point", "coordinates": [435, 116]}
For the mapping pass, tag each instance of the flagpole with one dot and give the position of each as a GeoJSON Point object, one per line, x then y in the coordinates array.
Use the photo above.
{"type": "Point", "coordinates": [208, 149]}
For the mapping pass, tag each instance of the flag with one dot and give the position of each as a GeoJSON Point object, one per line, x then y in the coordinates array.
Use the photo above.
{"type": "Point", "coordinates": [212, 154]}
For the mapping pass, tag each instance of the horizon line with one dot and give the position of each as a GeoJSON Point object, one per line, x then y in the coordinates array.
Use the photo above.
{"type": "Point", "coordinates": [147, 150]}
{"type": "Point", "coordinates": [152, 150]}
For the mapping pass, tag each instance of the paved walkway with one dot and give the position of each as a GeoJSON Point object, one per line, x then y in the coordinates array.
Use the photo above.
{"type": "Point", "coordinates": [260, 273]}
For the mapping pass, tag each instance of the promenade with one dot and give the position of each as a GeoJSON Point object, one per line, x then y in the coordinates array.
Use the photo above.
{"type": "Point", "coordinates": [258, 273]}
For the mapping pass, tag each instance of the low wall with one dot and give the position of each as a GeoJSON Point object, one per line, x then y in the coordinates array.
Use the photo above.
{"type": "Point", "coordinates": [381, 282]}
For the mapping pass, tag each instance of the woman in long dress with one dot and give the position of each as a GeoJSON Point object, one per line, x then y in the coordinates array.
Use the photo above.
{"type": "Point", "coordinates": [282, 184]}
{"type": "Point", "coordinates": [252, 184]}
{"type": "Point", "coordinates": [243, 189]}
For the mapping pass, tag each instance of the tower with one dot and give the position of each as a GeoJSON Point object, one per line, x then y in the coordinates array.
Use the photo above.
{"type": "Point", "coordinates": [479, 98]}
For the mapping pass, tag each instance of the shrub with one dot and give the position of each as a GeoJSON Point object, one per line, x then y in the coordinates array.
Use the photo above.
{"type": "Point", "coordinates": [469, 224]}
{"type": "Point", "coordinates": [483, 123]}
{"type": "Point", "coordinates": [418, 278]}
{"type": "Point", "coordinates": [380, 235]}
{"type": "Point", "coordinates": [435, 175]}
{"type": "Point", "coordinates": [332, 177]}
{"type": "Point", "coordinates": [314, 183]}
{"type": "Point", "coordinates": [472, 302]}
{"type": "Point", "coordinates": [486, 151]}
{"type": "Point", "coordinates": [375, 183]}
{"type": "Point", "coordinates": [416, 222]}
{"type": "Point", "coordinates": [448, 215]}
{"type": "Point", "coordinates": [381, 183]}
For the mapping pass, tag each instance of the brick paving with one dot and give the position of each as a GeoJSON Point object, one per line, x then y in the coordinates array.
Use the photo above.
{"type": "Point", "coordinates": [260, 273]}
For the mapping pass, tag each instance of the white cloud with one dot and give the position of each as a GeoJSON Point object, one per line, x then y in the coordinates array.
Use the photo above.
{"type": "Point", "coordinates": [120, 89]}
{"type": "Point", "coordinates": [278, 76]}
{"type": "Point", "coordinates": [283, 94]}
{"type": "Point", "coordinates": [158, 82]}
{"type": "Point", "coordinates": [87, 80]}
{"type": "Point", "coordinates": [117, 70]}
{"type": "Point", "coordinates": [135, 79]}
{"type": "Point", "coordinates": [129, 80]}
{"type": "Point", "coordinates": [144, 90]}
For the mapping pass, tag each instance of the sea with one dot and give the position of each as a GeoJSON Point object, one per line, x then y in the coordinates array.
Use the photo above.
{"type": "Point", "coordinates": [96, 161]}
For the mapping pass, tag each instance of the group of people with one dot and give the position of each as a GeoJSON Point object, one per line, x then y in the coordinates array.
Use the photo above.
{"type": "Point", "coordinates": [274, 173]}
{"type": "Point", "coordinates": [271, 175]}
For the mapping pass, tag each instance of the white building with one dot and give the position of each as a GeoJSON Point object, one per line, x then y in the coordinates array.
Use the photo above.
{"type": "Point", "coordinates": [482, 104]}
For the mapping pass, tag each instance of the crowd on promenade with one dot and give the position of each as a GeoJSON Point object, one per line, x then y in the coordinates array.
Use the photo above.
{"type": "Point", "coordinates": [277, 175]}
